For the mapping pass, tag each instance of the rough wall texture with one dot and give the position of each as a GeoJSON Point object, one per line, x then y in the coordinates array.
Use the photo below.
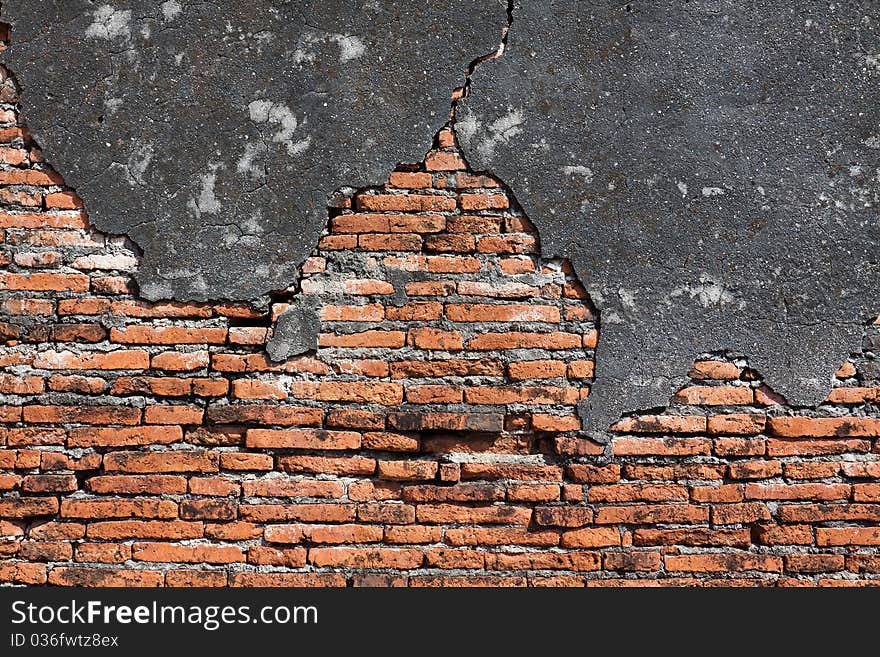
{"type": "Point", "coordinates": [712, 169]}
{"type": "Point", "coordinates": [431, 439]}
{"type": "Point", "coordinates": [210, 133]}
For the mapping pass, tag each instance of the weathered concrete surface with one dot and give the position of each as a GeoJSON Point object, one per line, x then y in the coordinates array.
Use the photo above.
{"type": "Point", "coordinates": [211, 132]}
{"type": "Point", "coordinates": [711, 167]}
{"type": "Point", "coordinates": [296, 331]}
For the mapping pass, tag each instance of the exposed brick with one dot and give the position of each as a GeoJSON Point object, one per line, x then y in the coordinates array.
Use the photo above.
{"type": "Point", "coordinates": [434, 438]}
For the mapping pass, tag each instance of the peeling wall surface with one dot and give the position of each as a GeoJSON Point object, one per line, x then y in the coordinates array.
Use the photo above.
{"type": "Point", "coordinates": [387, 386]}
{"type": "Point", "coordinates": [212, 133]}
{"type": "Point", "coordinates": [710, 167]}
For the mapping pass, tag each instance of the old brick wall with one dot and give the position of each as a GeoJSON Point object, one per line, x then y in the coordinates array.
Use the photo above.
{"type": "Point", "coordinates": [431, 439]}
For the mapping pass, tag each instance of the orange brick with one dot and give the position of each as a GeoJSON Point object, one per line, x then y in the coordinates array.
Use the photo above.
{"type": "Point", "coordinates": [377, 338]}
{"type": "Point", "coordinates": [523, 340]}
{"type": "Point", "coordinates": [117, 437]}
{"type": "Point", "coordinates": [436, 339]}
{"type": "Point", "coordinates": [723, 562]}
{"type": "Point", "coordinates": [842, 427]}
{"type": "Point", "coordinates": [303, 439]}
{"type": "Point", "coordinates": [127, 359]}
{"type": "Point", "coordinates": [135, 334]}
{"type": "Point", "coordinates": [388, 394]}
{"type": "Point", "coordinates": [433, 394]}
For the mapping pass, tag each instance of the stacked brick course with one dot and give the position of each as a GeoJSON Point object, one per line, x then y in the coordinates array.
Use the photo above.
{"type": "Point", "coordinates": [431, 439]}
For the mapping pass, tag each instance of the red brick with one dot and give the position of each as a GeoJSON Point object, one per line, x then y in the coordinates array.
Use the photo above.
{"type": "Point", "coordinates": [387, 394]}
{"type": "Point", "coordinates": [435, 339]}
{"type": "Point", "coordinates": [303, 439]}
{"type": "Point", "coordinates": [414, 311]}
{"type": "Point", "coordinates": [715, 395]}
{"type": "Point", "coordinates": [643, 514]}
{"type": "Point", "coordinates": [103, 577]}
{"type": "Point", "coordinates": [238, 462]}
{"type": "Point", "coordinates": [509, 312]}
{"type": "Point", "coordinates": [660, 424]}
{"type": "Point", "coordinates": [451, 513]}
{"type": "Point", "coordinates": [737, 514]}
{"type": "Point", "coordinates": [692, 536]}
{"type": "Point", "coordinates": [847, 536]}
{"type": "Point", "coordinates": [118, 437]}
{"type": "Point", "coordinates": [444, 161]}
{"type": "Point", "coordinates": [736, 424]}
{"type": "Point", "coordinates": [533, 492]}
{"type": "Point", "coordinates": [313, 512]}
{"type": "Point", "coordinates": [714, 369]}
{"type": "Point", "coordinates": [352, 465]}
{"type": "Point", "coordinates": [767, 534]}
{"type": "Point", "coordinates": [632, 561]}
{"type": "Point", "coordinates": [218, 486]}
{"type": "Point", "coordinates": [214, 509]}
{"type": "Point", "coordinates": [795, 447]}
{"type": "Point", "coordinates": [175, 553]}
{"type": "Point", "coordinates": [391, 513]}
{"type": "Point", "coordinates": [593, 474]}
{"type": "Point", "coordinates": [171, 335]}
{"type": "Point", "coordinates": [523, 340]}
{"type": "Point", "coordinates": [733, 562]}
{"type": "Point", "coordinates": [842, 427]}
{"type": "Point", "coordinates": [161, 462]}
{"type": "Point", "coordinates": [76, 383]}
{"type": "Point", "coordinates": [403, 558]}
{"type": "Point", "coordinates": [269, 556]}
{"type": "Point", "coordinates": [660, 446]}
{"type": "Point", "coordinates": [454, 558]}
{"type": "Point", "coordinates": [128, 359]}
{"type": "Point", "coordinates": [810, 492]}
{"type": "Point", "coordinates": [101, 508]}
{"type": "Point", "coordinates": [81, 414]}
{"type": "Point", "coordinates": [501, 536]}
{"type": "Point", "coordinates": [256, 579]}
{"type": "Point", "coordinates": [638, 492]}
{"type": "Point", "coordinates": [43, 282]}
{"type": "Point", "coordinates": [433, 394]}
{"type": "Point", "coordinates": [371, 312]}
{"type": "Point", "coordinates": [814, 563]}
{"type": "Point", "coordinates": [102, 553]}
{"type": "Point", "coordinates": [145, 529]}
{"type": "Point", "coordinates": [195, 578]}
{"type": "Point", "coordinates": [137, 484]}
{"type": "Point", "coordinates": [754, 469]}
{"type": "Point", "coordinates": [409, 180]}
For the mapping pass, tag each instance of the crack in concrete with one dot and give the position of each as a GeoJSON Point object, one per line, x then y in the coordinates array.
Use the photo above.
{"type": "Point", "coordinates": [599, 116]}
{"type": "Point", "coordinates": [339, 109]}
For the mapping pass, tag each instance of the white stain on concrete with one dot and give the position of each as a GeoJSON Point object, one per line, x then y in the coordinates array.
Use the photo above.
{"type": "Point", "coordinates": [308, 47]}
{"type": "Point", "coordinates": [111, 105]}
{"type": "Point", "coordinates": [138, 163]}
{"type": "Point", "coordinates": [578, 170]}
{"type": "Point", "coordinates": [706, 292]}
{"type": "Point", "coordinates": [285, 123]}
{"type": "Point", "coordinates": [246, 163]}
{"type": "Point", "coordinates": [500, 131]}
{"type": "Point", "coordinates": [171, 10]}
{"type": "Point", "coordinates": [110, 24]}
{"type": "Point", "coordinates": [709, 192]}
{"type": "Point", "coordinates": [350, 47]}
{"type": "Point", "coordinates": [206, 202]}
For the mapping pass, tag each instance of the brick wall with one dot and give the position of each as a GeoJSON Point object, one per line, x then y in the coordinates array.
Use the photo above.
{"type": "Point", "coordinates": [431, 439]}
